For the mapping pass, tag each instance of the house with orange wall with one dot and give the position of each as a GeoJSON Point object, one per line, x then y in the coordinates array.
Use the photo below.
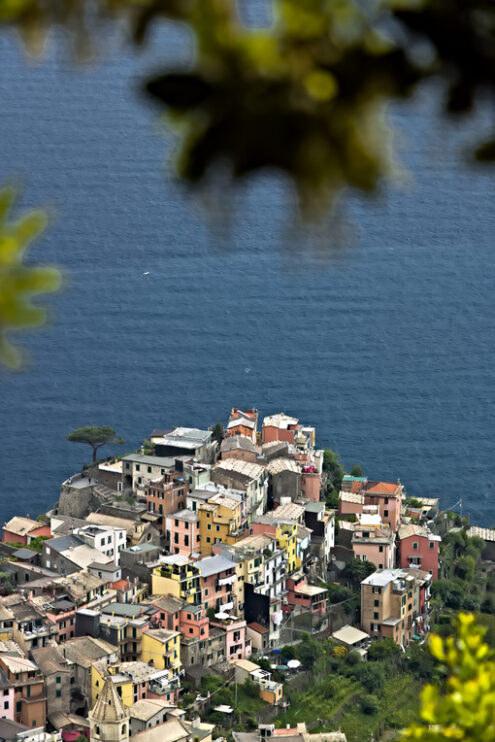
{"type": "Point", "coordinates": [243, 422]}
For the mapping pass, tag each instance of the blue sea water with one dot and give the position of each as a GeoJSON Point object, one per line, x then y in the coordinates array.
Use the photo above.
{"type": "Point", "coordinates": [380, 332]}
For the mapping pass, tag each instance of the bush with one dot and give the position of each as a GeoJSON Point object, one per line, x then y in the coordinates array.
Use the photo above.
{"type": "Point", "coordinates": [339, 651]}
{"type": "Point", "coordinates": [250, 688]}
{"type": "Point", "coordinates": [383, 649]}
{"type": "Point", "coordinates": [369, 704]}
{"type": "Point", "coordinates": [288, 652]}
{"type": "Point", "coordinates": [337, 593]}
{"type": "Point", "coordinates": [353, 658]}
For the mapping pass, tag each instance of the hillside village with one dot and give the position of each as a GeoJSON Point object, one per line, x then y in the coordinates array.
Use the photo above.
{"type": "Point", "coordinates": [164, 579]}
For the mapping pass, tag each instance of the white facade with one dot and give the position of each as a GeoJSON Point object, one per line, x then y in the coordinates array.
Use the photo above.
{"type": "Point", "coordinates": [105, 539]}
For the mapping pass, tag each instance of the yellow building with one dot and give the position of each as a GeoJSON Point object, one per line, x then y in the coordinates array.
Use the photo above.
{"type": "Point", "coordinates": [162, 648]}
{"type": "Point", "coordinates": [123, 683]}
{"type": "Point", "coordinates": [286, 535]}
{"type": "Point", "coordinates": [219, 521]}
{"type": "Point", "coordinates": [177, 576]}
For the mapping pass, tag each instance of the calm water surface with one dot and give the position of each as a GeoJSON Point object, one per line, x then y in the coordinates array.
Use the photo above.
{"type": "Point", "coordinates": [381, 335]}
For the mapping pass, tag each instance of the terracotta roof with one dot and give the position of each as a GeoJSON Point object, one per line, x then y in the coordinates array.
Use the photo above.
{"type": "Point", "coordinates": [382, 488]}
{"type": "Point", "coordinates": [257, 627]}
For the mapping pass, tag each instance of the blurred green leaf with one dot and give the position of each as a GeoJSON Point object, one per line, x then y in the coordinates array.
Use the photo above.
{"type": "Point", "coordinates": [20, 283]}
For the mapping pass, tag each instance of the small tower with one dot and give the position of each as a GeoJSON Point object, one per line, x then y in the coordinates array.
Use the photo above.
{"type": "Point", "coordinates": [109, 719]}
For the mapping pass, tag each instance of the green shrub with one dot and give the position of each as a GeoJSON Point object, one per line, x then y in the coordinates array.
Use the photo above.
{"type": "Point", "coordinates": [369, 704]}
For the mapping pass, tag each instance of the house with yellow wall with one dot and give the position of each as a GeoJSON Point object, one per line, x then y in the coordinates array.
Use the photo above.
{"type": "Point", "coordinates": [179, 577]}
{"type": "Point", "coordinates": [162, 649]}
{"type": "Point", "coordinates": [123, 683]}
{"type": "Point", "coordinates": [219, 519]}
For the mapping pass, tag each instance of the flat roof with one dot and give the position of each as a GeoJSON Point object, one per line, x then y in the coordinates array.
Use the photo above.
{"type": "Point", "coordinates": [350, 635]}
{"type": "Point", "coordinates": [166, 462]}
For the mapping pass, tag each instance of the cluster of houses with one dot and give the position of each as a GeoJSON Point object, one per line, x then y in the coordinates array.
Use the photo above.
{"type": "Point", "coordinates": [187, 558]}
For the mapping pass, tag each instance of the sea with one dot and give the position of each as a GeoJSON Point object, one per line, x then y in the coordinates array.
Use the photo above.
{"type": "Point", "coordinates": [376, 326]}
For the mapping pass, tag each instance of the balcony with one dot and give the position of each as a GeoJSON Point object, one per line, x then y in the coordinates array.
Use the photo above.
{"type": "Point", "coordinates": [226, 606]}
{"type": "Point", "coordinates": [227, 580]}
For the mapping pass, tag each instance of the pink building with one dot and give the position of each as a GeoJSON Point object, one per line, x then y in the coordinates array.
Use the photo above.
{"type": "Point", "coordinates": [419, 549]}
{"type": "Point", "coordinates": [168, 612]}
{"type": "Point", "coordinates": [237, 645]}
{"type": "Point", "coordinates": [193, 622]}
{"type": "Point", "coordinates": [7, 700]}
{"type": "Point", "coordinates": [374, 544]}
{"type": "Point", "coordinates": [310, 483]}
{"type": "Point", "coordinates": [217, 580]}
{"type": "Point", "coordinates": [386, 496]}
{"type": "Point", "coordinates": [310, 597]}
{"type": "Point", "coordinates": [183, 533]}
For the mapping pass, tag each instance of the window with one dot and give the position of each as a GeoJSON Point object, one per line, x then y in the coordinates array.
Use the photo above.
{"type": "Point", "coordinates": [176, 522]}
{"type": "Point", "coordinates": [386, 501]}
{"type": "Point", "coordinates": [376, 603]}
{"type": "Point", "coordinates": [58, 679]}
{"type": "Point", "coordinates": [140, 479]}
{"type": "Point", "coordinates": [208, 540]}
{"type": "Point", "coordinates": [5, 705]}
{"type": "Point", "coordinates": [376, 615]}
{"type": "Point", "coordinates": [432, 544]}
{"type": "Point", "coordinates": [138, 468]}
{"type": "Point", "coordinates": [18, 707]}
{"type": "Point", "coordinates": [58, 693]}
{"type": "Point", "coordinates": [385, 513]}
{"type": "Point", "coordinates": [380, 549]}
{"type": "Point", "coordinates": [6, 692]}
{"type": "Point", "coordinates": [186, 540]}
{"type": "Point", "coordinates": [127, 465]}
{"type": "Point", "coordinates": [149, 469]}
{"type": "Point", "coordinates": [415, 544]}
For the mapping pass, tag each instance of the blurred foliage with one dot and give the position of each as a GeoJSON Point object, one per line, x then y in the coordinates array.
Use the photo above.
{"type": "Point", "coordinates": [20, 282]}
{"type": "Point", "coordinates": [305, 95]}
{"type": "Point", "coordinates": [464, 707]}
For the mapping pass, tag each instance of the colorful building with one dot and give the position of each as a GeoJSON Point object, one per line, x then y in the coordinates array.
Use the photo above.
{"type": "Point", "coordinates": [166, 496]}
{"type": "Point", "coordinates": [387, 496]}
{"type": "Point", "coordinates": [218, 577]}
{"type": "Point", "coordinates": [418, 548]}
{"type": "Point", "coordinates": [387, 605]}
{"type": "Point", "coordinates": [310, 597]}
{"type": "Point", "coordinates": [219, 521]}
{"type": "Point", "coordinates": [177, 576]}
{"type": "Point", "coordinates": [183, 533]}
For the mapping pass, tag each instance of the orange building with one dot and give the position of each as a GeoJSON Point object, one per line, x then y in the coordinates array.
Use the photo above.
{"type": "Point", "coordinates": [243, 422]}
{"type": "Point", "coordinates": [166, 496]}
{"type": "Point", "coordinates": [29, 690]}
